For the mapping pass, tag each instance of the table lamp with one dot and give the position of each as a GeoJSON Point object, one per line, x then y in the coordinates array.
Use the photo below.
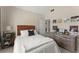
{"type": "Point", "coordinates": [8, 28]}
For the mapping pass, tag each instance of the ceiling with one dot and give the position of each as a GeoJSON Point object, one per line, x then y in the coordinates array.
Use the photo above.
{"type": "Point", "coordinates": [37, 9]}
{"type": "Point", "coordinates": [44, 10]}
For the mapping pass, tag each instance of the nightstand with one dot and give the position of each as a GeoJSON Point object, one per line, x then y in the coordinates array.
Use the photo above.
{"type": "Point", "coordinates": [8, 39]}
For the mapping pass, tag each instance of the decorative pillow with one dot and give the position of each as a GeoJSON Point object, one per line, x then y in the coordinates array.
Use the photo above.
{"type": "Point", "coordinates": [31, 32]}
{"type": "Point", "coordinates": [35, 32]}
{"type": "Point", "coordinates": [24, 32]}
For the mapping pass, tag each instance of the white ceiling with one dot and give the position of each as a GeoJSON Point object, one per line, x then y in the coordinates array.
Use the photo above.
{"type": "Point", "coordinates": [37, 9]}
{"type": "Point", "coordinates": [44, 10]}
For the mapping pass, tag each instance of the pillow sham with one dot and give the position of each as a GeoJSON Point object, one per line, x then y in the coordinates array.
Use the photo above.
{"type": "Point", "coordinates": [24, 32]}
{"type": "Point", "coordinates": [28, 32]}
{"type": "Point", "coordinates": [35, 32]}
{"type": "Point", "coordinates": [31, 32]}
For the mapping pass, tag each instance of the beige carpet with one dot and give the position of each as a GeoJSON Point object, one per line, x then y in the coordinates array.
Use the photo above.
{"type": "Point", "coordinates": [7, 50]}
{"type": "Point", "coordinates": [10, 50]}
{"type": "Point", "coordinates": [64, 50]}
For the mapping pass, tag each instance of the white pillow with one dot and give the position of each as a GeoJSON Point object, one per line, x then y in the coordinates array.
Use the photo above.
{"type": "Point", "coordinates": [35, 32]}
{"type": "Point", "coordinates": [24, 32]}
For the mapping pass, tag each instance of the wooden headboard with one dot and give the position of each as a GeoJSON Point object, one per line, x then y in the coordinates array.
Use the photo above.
{"type": "Point", "coordinates": [24, 27]}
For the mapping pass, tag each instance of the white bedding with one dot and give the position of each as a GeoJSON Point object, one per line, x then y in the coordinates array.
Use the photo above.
{"type": "Point", "coordinates": [36, 43]}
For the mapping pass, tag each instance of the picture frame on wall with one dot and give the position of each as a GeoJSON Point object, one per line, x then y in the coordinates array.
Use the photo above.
{"type": "Point", "coordinates": [54, 27]}
{"type": "Point", "coordinates": [66, 20]}
{"type": "Point", "coordinates": [59, 20]}
{"type": "Point", "coordinates": [54, 21]}
{"type": "Point", "coordinates": [73, 20]}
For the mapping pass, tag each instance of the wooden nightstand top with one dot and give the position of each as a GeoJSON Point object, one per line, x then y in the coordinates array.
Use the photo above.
{"type": "Point", "coordinates": [8, 32]}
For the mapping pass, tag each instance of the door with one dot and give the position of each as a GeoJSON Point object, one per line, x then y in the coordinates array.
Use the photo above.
{"type": "Point", "coordinates": [47, 25]}
{"type": "Point", "coordinates": [42, 26]}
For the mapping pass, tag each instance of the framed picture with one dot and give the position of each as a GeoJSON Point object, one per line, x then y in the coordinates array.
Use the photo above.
{"type": "Point", "coordinates": [59, 20]}
{"type": "Point", "coordinates": [54, 27]}
{"type": "Point", "coordinates": [73, 20]}
{"type": "Point", "coordinates": [54, 21]}
{"type": "Point", "coordinates": [66, 20]}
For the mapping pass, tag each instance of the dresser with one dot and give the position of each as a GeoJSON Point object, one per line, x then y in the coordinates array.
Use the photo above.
{"type": "Point", "coordinates": [68, 42]}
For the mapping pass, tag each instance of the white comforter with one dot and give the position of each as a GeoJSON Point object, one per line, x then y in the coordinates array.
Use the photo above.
{"type": "Point", "coordinates": [25, 44]}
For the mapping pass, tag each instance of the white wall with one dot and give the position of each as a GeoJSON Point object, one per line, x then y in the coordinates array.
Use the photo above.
{"type": "Point", "coordinates": [16, 16]}
{"type": "Point", "coordinates": [61, 12]}
{"type": "Point", "coordinates": [3, 19]}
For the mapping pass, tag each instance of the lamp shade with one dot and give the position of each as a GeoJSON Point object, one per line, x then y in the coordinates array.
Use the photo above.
{"type": "Point", "coordinates": [8, 28]}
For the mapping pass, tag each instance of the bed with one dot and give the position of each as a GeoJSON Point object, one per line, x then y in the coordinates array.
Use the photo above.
{"type": "Point", "coordinates": [33, 44]}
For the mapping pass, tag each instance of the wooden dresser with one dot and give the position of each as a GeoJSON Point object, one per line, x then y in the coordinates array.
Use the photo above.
{"type": "Point", "coordinates": [66, 41]}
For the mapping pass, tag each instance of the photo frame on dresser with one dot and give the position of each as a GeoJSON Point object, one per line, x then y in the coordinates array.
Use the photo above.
{"type": "Point", "coordinates": [74, 28]}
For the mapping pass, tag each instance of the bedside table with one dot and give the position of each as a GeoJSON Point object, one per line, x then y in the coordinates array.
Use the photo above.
{"type": "Point", "coordinates": [8, 39]}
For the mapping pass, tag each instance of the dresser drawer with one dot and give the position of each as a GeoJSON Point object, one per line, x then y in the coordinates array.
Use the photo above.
{"type": "Point", "coordinates": [68, 44]}
{"type": "Point", "coordinates": [66, 41]}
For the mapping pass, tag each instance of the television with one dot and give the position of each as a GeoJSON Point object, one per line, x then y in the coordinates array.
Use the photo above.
{"type": "Point", "coordinates": [74, 28]}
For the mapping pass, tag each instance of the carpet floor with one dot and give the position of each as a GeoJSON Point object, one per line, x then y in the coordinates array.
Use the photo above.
{"type": "Point", "coordinates": [10, 50]}
{"type": "Point", "coordinates": [7, 50]}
